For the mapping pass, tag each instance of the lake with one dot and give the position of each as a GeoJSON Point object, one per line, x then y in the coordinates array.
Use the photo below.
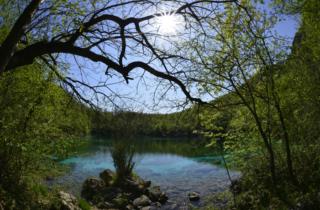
{"type": "Point", "coordinates": [178, 166]}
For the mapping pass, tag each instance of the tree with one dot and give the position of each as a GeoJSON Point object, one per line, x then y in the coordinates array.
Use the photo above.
{"type": "Point", "coordinates": [38, 123]}
{"type": "Point", "coordinates": [110, 32]}
{"type": "Point", "coordinates": [96, 26]}
{"type": "Point", "coordinates": [242, 58]}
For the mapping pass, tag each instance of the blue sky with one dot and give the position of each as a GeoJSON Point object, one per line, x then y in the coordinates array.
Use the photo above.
{"type": "Point", "coordinates": [288, 27]}
{"type": "Point", "coordinates": [143, 94]}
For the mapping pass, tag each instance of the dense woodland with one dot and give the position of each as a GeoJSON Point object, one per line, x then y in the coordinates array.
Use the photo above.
{"type": "Point", "coordinates": [268, 122]}
{"type": "Point", "coordinates": [181, 124]}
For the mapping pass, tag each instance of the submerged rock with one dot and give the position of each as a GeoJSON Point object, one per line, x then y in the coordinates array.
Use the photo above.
{"type": "Point", "coordinates": [172, 206]}
{"type": "Point", "coordinates": [194, 196]}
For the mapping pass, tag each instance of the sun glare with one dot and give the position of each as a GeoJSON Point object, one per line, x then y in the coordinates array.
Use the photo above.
{"type": "Point", "coordinates": [169, 24]}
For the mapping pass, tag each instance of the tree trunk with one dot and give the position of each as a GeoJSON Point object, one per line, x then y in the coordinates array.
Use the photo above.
{"type": "Point", "coordinates": [287, 144]}
{"type": "Point", "coordinates": [9, 44]}
{"type": "Point", "coordinates": [265, 139]}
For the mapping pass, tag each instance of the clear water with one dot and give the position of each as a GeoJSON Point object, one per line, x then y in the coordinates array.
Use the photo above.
{"type": "Point", "coordinates": [177, 166]}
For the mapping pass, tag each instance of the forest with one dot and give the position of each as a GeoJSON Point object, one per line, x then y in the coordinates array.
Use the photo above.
{"type": "Point", "coordinates": [241, 122]}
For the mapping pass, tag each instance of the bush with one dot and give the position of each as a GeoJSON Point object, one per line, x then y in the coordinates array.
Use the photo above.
{"type": "Point", "coordinates": [84, 205]}
{"type": "Point", "coordinates": [122, 154]}
{"type": "Point", "coordinates": [255, 190]}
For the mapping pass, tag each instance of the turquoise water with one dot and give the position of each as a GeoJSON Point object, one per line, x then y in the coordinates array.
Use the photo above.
{"type": "Point", "coordinates": [178, 166]}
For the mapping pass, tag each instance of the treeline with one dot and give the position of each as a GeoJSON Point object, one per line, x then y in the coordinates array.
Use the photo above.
{"type": "Point", "coordinates": [181, 124]}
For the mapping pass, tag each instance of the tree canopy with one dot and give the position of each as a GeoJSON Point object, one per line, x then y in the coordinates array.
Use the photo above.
{"type": "Point", "coordinates": [256, 93]}
{"type": "Point", "coordinates": [123, 36]}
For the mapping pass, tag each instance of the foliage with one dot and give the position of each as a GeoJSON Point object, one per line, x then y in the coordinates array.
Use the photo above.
{"type": "Point", "coordinates": [126, 123]}
{"type": "Point", "coordinates": [84, 205]}
{"type": "Point", "coordinates": [235, 130]}
{"type": "Point", "coordinates": [269, 123]}
{"type": "Point", "coordinates": [255, 192]}
{"type": "Point", "coordinates": [296, 87]}
{"type": "Point", "coordinates": [39, 120]}
{"type": "Point", "coordinates": [122, 154]}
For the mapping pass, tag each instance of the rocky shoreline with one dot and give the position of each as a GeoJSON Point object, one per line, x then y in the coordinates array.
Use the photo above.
{"type": "Point", "coordinates": [106, 192]}
{"type": "Point", "coordinates": [101, 192]}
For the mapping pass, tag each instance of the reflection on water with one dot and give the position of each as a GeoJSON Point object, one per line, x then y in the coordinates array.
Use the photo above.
{"type": "Point", "coordinates": [176, 165]}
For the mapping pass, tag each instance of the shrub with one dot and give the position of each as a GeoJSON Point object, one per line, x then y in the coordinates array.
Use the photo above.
{"type": "Point", "coordinates": [122, 154]}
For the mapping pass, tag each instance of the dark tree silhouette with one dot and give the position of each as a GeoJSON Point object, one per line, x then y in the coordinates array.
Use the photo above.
{"type": "Point", "coordinates": [40, 34]}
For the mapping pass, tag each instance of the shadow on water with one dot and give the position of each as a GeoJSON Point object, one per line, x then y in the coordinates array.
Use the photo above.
{"type": "Point", "coordinates": [179, 166]}
{"type": "Point", "coordinates": [181, 147]}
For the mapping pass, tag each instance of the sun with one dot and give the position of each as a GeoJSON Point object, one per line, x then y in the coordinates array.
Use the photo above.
{"type": "Point", "coordinates": [169, 24]}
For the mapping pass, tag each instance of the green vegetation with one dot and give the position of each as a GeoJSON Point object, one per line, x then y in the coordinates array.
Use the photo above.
{"type": "Point", "coordinates": [84, 205]}
{"type": "Point", "coordinates": [181, 124]}
{"type": "Point", "coordinates": [38, 122]}
{"type": "Point", "coordinates": [122, 155]}
{"type": "Point", "coordinates": [274, 138]}
{"type": "Point", "coordinates": [266, 118]}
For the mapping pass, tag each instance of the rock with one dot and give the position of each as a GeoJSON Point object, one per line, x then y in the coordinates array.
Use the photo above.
{"type": "Point", "coordinates": [130, 194]}
{"type": "Point", "coordinates": [121, 201]}
{"type": "Point", "coordinates": [91, 187]}
{"type": "Point", "coordinates": [130, 207]}
{"type": "Point", "coordinates": [107, 176]}
{"type": "Point", "coordinates": [194, 196]}
{"type": "Point", "coordinates": [68, 201]}
{"type": "Point", "coordinates": [147, 184]}
{"type": "Point", "coordinates": [156, 195]}
{"type": "Point", "coordinates": [142, 201]}
{"type": "Point", "coordinates": [144, 184]}
{"type": "Point", "coordinates": [133, 186]}
{"type": "Point", "coordinates": [163, 198]}
{"type": "Point", "coordinates": [104, 205]}
{"type": "Point", "coordinates": [1, 205]}
{"type": "Point", "coordinates": [157, 204]}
